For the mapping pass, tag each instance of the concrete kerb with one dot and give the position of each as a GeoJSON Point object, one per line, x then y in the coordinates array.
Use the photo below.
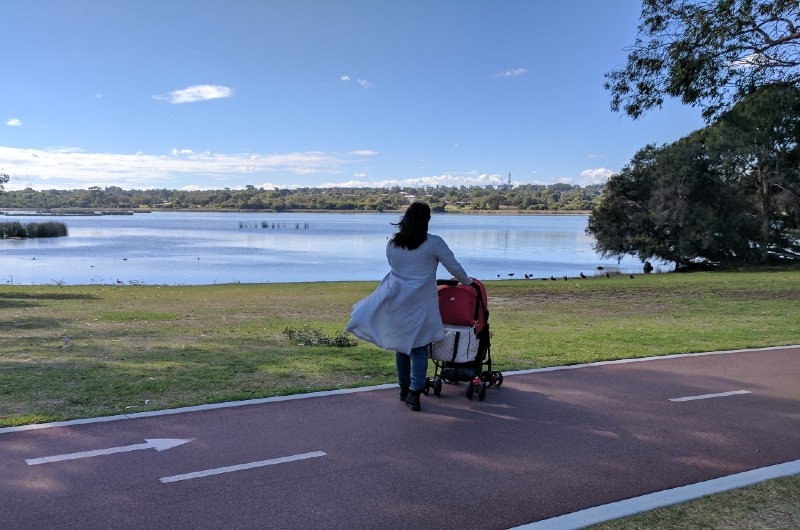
{"type": "Point", "coordinates": [660, 499]}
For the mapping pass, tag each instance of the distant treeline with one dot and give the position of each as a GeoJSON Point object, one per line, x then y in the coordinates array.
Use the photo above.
{"type": "Point", "coordinates": [554, 197]}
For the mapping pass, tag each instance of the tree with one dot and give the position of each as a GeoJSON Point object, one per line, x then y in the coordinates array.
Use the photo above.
{"type": "Point", "coordinates": [728, 194]}
{"type": "Point", "coordinates": [620, 222]}
{"type": "Point", "coordinates": [707, 53]}
{"type": "Point", "coordinates": [3, 180]}
{"type": "Point", "coordinates": [756, 146]}
{"type": "Point", "coordinates": [666, 204]}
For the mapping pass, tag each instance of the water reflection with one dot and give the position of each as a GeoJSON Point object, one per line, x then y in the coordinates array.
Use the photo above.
{"type": "Point", "coordinates": [206, 248]}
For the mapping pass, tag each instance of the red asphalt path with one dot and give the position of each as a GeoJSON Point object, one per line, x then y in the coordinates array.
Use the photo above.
{"type": "Point", "coordinates": [546, 443]}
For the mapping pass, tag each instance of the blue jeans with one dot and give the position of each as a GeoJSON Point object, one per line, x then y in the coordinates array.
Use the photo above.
{"type": "Point", "coordinates": [412, 368]}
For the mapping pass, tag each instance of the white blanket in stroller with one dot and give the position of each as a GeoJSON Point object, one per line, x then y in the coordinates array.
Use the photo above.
{"type": "Point", "coordinates": [459, 345]}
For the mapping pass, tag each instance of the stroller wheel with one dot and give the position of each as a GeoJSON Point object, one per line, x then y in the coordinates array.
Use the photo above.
{"type": "Point", "coordinates": [482, 392]}
{"type": "Point", "coordinates": [497, 377]}
{"type": "Point", "coordinates": [470, 390]}
{"type": "Point", "coordinates": [437, 386]}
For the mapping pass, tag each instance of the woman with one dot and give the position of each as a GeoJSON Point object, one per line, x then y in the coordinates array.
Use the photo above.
{"type": "Point", "coordinates": [402, 314]}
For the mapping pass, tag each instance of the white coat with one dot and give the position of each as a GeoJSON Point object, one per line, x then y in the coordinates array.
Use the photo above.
{"type": "Point", "coordinates": [403, 311]}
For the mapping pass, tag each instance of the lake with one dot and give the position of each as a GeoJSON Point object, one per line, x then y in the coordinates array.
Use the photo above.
{"type": "Point", "coordinates": [182, 248]}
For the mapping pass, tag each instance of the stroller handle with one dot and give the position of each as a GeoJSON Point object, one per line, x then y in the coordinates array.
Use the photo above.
{"type": "Point", "coordinates": [453, 282]}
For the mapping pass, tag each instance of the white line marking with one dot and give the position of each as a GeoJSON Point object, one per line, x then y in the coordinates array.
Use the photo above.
{"type": "Point", "coordinates": [240, 467]}
{"type": "Point", "coordinates": [659, 499]}
{"type": "Point", "coordinates": [159, 444]}
{"type": "Point", "coordinates": [325, 393]}
{"type": "Point", "coordinates": [709, 396]}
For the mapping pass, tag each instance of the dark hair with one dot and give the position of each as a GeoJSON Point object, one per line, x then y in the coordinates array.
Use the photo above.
{"type": "Point", "coordinates": [413, 226]}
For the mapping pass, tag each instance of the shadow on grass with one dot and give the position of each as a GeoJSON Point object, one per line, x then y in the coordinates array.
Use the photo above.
{"type": "Point", "coordinates": [23, 300]}
{"type": "Point", "coordinates": [31, 323]}
{"type": "Point", "coordinates": [48, 296]}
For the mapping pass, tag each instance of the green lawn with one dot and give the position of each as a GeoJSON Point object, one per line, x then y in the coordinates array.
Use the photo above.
{"type": "Point", "coordinates": [79, 351]}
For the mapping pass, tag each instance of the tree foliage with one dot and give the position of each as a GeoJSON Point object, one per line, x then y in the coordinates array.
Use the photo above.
{"type": "Point", "coordinates": [707, 53]}
{"type": "Point", "coordinates": [728, 194]}
{"type": "Point", "coordinates": [531, 197]}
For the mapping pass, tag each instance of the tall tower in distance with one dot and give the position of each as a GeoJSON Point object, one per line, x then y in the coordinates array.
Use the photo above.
{"type": "Point", "coordinates": [506, 187]}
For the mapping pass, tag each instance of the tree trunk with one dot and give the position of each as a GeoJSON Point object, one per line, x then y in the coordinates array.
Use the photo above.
{"type": "Point", "coordinates": [764, 200]}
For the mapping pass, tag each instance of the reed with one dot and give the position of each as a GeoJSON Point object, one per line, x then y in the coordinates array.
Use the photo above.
{"type": "Point", "coordinates": [15, 229]}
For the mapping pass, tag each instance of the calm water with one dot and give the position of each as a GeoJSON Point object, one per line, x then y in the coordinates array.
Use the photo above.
{"type": "Point", "coordinates": [207, 248]}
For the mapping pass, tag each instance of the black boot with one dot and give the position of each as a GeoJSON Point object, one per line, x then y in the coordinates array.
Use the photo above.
{"type": "Point", "coordinates": [403, 392]}
{"type": "Point", "coordinates": [412, 401]}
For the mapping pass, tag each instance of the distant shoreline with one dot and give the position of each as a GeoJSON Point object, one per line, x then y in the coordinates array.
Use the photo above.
{"type": "Point", "coordinates": [69, 212]}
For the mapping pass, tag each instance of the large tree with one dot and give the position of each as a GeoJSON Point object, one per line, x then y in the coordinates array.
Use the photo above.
{"type": "Point", "coordinates": [756, 149]}
{"type": "Point", "coordinates": [707, 53]}
{"type": "Point", "coordinates": [667, 204]}
{"type": "Point", "coordinates": [728, 194]}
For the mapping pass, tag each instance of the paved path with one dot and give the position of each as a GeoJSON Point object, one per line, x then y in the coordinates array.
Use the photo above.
{"type": "Point", "coordinates": [546, 443]}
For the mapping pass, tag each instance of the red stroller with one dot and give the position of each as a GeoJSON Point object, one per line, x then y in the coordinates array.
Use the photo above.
{"type": "Point", "coordinates": [465, 353]}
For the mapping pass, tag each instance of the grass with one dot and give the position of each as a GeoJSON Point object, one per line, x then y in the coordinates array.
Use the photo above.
{"type": "Point", "coordinates": [769, 505]}
{"type": "Point", "coordinates": [84, 351]}
{"type": "Point", "coordinates": [79, 351]}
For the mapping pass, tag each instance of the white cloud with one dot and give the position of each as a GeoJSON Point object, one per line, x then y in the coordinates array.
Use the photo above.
{"type": "Point", "coordinates": [514, 72]}
{"type": "Point", "coordinates": [363, 152]}
{"type": "Point", "coordinates": [13, 122]}
{"type": "Point", "coordinates": [196, 93]}
{"type": "Point", "coordinates": [595, 176]}
{"type": "Point", "coordinates": [182, 168]}
{"type": "Point", "coordinates": [71, 168]}
{"type": "Point", "coordinates": [363, 83]}
{"type": "Point", "coordinates": [447, 179]}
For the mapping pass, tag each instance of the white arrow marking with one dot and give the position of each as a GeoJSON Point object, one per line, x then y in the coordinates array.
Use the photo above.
{"type": "Point", "coordinates": [709, 396]}
{"type": "Point", "coordinates": [240, 467]}
{"type": "Point", "coordinates": [159, 444]}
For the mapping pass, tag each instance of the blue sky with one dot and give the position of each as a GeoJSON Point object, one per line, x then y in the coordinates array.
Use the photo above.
{"type": "Point", "coordinates": [211, 94]}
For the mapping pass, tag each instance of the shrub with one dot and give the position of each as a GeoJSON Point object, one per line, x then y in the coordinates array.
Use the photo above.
{"type": "Point", "coordinates": [308, 336]}
{"type": "Point", "coordinates": [47, 229]}
{"type": "Point", "coordinates": [12, 229]}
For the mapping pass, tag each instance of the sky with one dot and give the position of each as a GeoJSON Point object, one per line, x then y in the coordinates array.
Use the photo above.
{"type": "Point", "coordinates": [201, 94]}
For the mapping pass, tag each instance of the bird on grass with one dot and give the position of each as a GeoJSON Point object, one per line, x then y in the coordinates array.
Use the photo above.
{"type": "Point", "coordinates": [583, 275]}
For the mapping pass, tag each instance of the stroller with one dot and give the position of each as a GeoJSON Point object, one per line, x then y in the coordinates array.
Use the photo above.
{"type": "Point", "coordinates": [464, 354]}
